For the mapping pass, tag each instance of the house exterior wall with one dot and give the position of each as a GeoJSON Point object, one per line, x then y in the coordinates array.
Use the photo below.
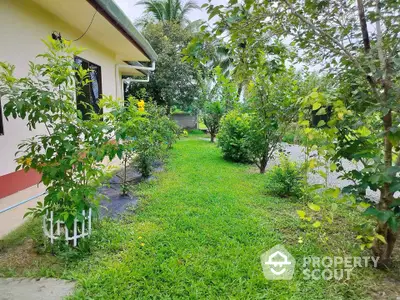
{"type": "Point", "coordinates": [23, 25]}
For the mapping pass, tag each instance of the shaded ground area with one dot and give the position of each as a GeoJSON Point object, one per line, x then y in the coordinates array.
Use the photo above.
{"type": "Point", "coordinates": [35, 289]}
{"type": "Point", "coordinates": [116, 204]}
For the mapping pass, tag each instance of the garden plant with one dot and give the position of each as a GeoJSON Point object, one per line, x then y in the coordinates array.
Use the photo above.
{"type": "Point", "coordinates": [323, 76]}
{"type": "Point", "coordinates": [70, 152]}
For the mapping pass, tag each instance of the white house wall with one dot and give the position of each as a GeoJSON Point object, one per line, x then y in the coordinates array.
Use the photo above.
{"type": "Point", "coordinates": [23, 25]}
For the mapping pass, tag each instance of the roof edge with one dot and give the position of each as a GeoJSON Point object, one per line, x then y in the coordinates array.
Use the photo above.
{"type": "Point", "coordinates": [113, 13]}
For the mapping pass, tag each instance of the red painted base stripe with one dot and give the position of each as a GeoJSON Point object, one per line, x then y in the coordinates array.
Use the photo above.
{"type": "Point", "coordinates": [17, 181]}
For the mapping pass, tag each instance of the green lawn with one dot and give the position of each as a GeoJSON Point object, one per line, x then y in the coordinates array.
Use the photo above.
{"type": "Point", "coordinates": [198, 233]}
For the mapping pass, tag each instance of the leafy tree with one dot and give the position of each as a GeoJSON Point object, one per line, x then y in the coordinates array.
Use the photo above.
{"type": "Point", "coordinates": [207, 54]}
{"type": "Point", "coordinates": [272, 106]}
{"type": "Point", "coordinates": [244, 41]}
{"type": "Point", "coordinates": [232, 134]}
{"type": "Point", "coordinates": [174, 82]}
{"type": "Point", "coordinates": [124, 119]}
{"type": "Point", "coordinates": [218, 95]}
{"type": "Point", "coordinates": [69, 155]}
{"type": "Point", "coordinates": [357, 42]}
{"type": "Point", "coordinates": [167, 11]}
{"type": "Point", "coordinates": [212, 115]}
{"type": "Point", "coordinates": [366, 60]}
{"type": "Point", "coordinates": [155, 134]}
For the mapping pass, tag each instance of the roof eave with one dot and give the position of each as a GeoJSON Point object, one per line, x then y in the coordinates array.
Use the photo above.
{"type": "Point", "coordinates": [111, 11]}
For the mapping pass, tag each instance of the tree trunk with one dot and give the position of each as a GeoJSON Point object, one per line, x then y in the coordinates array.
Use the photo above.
{"type": "Point", "coordinates": [124, 188]}
{"type": "Point", "coordinates": [363, 24]}
{"type": "Point", "coordinates": [263, 164]}
{"type": "Point", "coordinates": [240, 88]}
{"type": "Point", "coordinates": [212, 137]}
{"type": "Point", "coordinates": [381, 250]}
{"type": "Point", "coordinates": [168, 108]}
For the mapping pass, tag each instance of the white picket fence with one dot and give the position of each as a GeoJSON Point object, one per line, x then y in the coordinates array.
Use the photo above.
{"type": "Point", "coordinates": [85, 226]}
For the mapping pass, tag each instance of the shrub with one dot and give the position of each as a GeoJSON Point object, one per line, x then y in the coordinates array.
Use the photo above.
{"type": "Point", "coordinates": [170, 130]}
{"type": "Point", "coordinates": [69, 155]}
{"type": "Point", "coordinates": [286, 179]}
{"type": "Point", "coordinates": [231, 137]}
{"type": "Point", "coordinates": [213, 113]}
{"type": "Point", "coordinates": [124, 119]}
{"type": "Point", "coordinates": [155, 135]}
{"type": "Point", "coordinates": [272, 108]}
{"type": "Point", "coordinates": [195, 132]}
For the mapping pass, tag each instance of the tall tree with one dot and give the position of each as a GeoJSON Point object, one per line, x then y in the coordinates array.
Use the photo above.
{"type": "Point", "coordinates": [175, 11]}
{"type": "Point", "coordinates": [357, 42]}
{"type": "Point", "coordinates": [174, 82]}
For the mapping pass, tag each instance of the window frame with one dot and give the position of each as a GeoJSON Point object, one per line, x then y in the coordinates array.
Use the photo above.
{"type": "Point", "coordinates": [1, 119]}
{"type": "Point", "coordinates": [99, 82]}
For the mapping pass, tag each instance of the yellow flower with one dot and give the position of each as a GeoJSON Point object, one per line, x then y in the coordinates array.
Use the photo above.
{"type": "Point", "coordinates": [142, 244]}
{"type": "Point", "coordinates": [141, 105]}
{"type": "Point", "coordinates": [28, 161]}
{"type": "Point", "coordinates": [139, 237]}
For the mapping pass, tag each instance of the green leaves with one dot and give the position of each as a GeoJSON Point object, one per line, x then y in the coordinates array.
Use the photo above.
{"type": "Point", "coordinates": [316, 224]}
{"type": "Point", "coordinates": [301, 214]}
{"type": "Point", "coordinates": [381, 238]}
{"type": "Point", "coordinates": [314, 207]}
{"type": "Point", "coordinates": [316, 105]}
{"type": "Point", "coordinates": [315, 95]}
{"type": "Point", "coordinates": [69, 154]}
{"type": "Point", "coordinates": [382, 215]}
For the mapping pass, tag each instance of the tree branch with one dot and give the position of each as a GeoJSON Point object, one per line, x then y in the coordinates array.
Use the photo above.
{"type": "Point", "coordinates": [379, 37]}
{"type": "Point", "coordinates": [363, 24]}
{"type": "Point", "coordinates": [338, 44]}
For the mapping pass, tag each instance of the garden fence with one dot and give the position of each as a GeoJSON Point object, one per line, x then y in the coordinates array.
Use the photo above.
{"type": "Point", "coordinates": [55, 230]}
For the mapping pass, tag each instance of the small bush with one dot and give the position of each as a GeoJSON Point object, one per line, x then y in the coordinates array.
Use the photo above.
{"type": "Point", "coordinates": [196, 132]}
{"type": "Point", "coordinates": [212, 115]}
{"type": "Point", "coordinates": [286, 179]}
{"type": "Point", "coordinates": [289, 137]}
{"type": "Point", "coordinates": [155, 135]}
{"type": "Point", "coordinates": [234, 127]}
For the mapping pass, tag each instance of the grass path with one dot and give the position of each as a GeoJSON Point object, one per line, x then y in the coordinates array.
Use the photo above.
{"type": "Point", "coordinates": [198, 234]}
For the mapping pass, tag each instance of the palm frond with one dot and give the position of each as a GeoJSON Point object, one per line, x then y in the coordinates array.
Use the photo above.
{"type": "Point", "coordinates": [188, 6]}
{"type": "Point", "coordinates": [168, 10]}
{"type": "Point", "coordinates": [193, 26]}
{"type": "Point", "coordinates": [154, 8]}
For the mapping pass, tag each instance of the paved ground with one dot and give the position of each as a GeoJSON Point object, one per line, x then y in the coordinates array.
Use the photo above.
{"type": "Point", "coordinates": [296, 153]}
{"type": "Point", "coordinates": [33, 289]}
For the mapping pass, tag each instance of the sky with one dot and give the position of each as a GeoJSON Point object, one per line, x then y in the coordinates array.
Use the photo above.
{"type": "Point", "coordinates": [134, 11]}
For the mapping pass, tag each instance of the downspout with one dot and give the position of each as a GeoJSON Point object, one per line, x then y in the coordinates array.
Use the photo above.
{"type": "Point", "coordinates": [152, 68]}
{"type": "Point", "coordinates": [116, 80]}
{"type": "Point", "coordinates": [117, 77]}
